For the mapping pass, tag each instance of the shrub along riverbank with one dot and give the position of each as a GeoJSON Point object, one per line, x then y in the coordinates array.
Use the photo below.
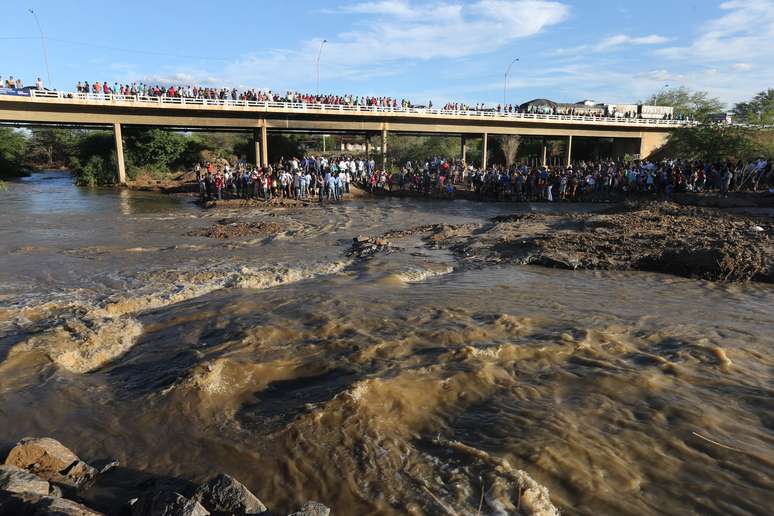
{"type": "Point", "coordinates": [90, 154]}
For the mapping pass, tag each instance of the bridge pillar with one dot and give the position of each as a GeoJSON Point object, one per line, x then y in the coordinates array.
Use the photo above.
{"type": "Point", "coordinates": [545, 152]}
{"type": "Point", "coordinates": [264, 146]}
{"type": "Point", "coordinates": [120, 153]}
{"type": "Point", "coordinates": [384, 149]}
{"type": "Point", "coordinates": [484, 152]}
{"type": "Point", "coordinates": [463, 149]}
{"type": "Point", "coordinates": [257, 145]}
{"type": "Point", "coordinates": [651, 142]}
{"type": "Point", "coordinates": [569, 151]}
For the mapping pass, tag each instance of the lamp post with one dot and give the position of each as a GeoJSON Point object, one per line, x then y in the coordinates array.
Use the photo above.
{"type": "Point", "coordinates": [45, 50]}
{"type": "Point", "coordinates": [505, 83]}
{"type": "Point", "coordinates": [319, 55]}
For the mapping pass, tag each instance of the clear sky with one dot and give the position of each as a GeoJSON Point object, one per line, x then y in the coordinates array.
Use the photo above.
{"type": "Point", "coordinates": [439, 50]}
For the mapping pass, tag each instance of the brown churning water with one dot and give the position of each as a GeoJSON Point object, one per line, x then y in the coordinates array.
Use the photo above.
{"type": "Point", "coordinates": [369, 384]}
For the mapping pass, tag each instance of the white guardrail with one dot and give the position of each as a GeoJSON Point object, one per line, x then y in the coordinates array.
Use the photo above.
{"type": "Point", "coordinates": [250, 105]}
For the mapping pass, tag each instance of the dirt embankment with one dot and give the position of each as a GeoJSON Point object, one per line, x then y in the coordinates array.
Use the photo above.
{"type": "Point", "coordinates": [659, 237]}
{"type": "Point", "coordinates": [233, 228]}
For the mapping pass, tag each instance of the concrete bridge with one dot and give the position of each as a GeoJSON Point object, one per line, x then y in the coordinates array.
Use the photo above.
{"type": "Point", "coordinates": [115, 111]}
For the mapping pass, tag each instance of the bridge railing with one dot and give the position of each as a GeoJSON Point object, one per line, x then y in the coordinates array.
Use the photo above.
{"type": "Point", "coordinates": [258, 105]}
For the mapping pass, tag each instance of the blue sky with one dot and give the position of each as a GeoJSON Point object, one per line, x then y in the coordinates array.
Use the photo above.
{"type": "Point", "coordinates": [568, 50]}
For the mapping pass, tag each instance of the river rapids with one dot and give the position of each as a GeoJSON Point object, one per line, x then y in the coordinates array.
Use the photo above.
{"type": "Point", "coordinates": [404, 383]}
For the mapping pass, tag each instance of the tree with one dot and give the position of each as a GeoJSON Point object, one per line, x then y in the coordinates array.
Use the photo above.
{"type": "Point", "coordinates": [13, 148]}
{"type": "Point", "coordinates": [692, 104]}
{"type": "Point", "coordinates": [710, 142]}
{"type": "Point", "coordinates": [420, 148]}
{"type": "Point", "coordinates": [509, 144]}
{"type": "Point", "coordinates": [759, 110]}
{"type": "Point", "coordinates": [51, 147]}
{"type": "Point", "coordinates": [154, 148]}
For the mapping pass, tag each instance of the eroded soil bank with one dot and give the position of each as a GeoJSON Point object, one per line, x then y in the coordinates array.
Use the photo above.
{"type": "Point", "coordinates": [662, 237]}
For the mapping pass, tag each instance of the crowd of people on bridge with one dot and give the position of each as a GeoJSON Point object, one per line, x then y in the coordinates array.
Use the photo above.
{"type": "Point", "coordinates": [143, 89]}
{"type": "Point", "coordinates": [203, 92]}
{"type": "Point", "coordinates": [17, 84]}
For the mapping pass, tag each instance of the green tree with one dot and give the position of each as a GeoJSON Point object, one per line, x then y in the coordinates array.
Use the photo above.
{"type": "Point", "coordinates": [50, 147]}
{"type": "Point", "coordinates": [419, 148]}
{"type": "Point", "coordinates": [13, 149]}
{"type": "Point", "coordinates": [711, 142]}
{"type": "Point", "coordinates": [93, 159]}
{"type": "Point", "coordinates": [759, 110]}
{"type": "Point", "coordinates": [694, 104]}
{"type": "Point", "coordinates": [154, 148]}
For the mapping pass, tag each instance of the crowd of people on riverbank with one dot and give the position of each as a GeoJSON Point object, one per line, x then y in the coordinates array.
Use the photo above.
{"type": "Point", "coordinates": [329, 179]}
{"type": "Point", "coordinates": [305, 179]}
{"type": "Point", "coordinates": [584, 180]}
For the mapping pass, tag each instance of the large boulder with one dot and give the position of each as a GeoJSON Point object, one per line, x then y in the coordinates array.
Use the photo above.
{"type": "Point", "coordinates": [224, 495]}
{"type": "Point", "coordinates": [51, 460]}
{"type": "Point", "coordinates": [166, 503]}
{"type": "Point", "coordinates": [41, 454]}
{"type": "Point", "coordinates": [17, 480]}
{"type": "Point", "coordinates": [312, 509]}
{"type": "Point", "coordinates": [27, 504]}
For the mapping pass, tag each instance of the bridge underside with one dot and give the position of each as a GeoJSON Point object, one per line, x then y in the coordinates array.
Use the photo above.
{"type": "Point", "coordinates": [261, 123]}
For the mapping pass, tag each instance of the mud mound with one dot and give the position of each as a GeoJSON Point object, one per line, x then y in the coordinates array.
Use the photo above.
{"type": "Point", "coordinates": [652, 236]}
{"type": "Point", "coordinates": [232, 228]}
{"type": "Point", "coordinates": [366, 247]}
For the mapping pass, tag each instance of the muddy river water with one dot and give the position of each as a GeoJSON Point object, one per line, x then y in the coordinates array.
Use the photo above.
{"type": "Point", "coordinates": [385, 386]}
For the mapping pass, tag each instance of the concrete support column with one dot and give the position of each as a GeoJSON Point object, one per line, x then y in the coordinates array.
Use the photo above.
{"type": "Point", "coordinates": [264, 146]}
{"type": "Point", "coordinates": [569, 151]}
{"type": "Point", "coordinates": [384, 149]}
{"type": "Point", "coordinates": [463, 150]}
{"type": "Point", "coordinates": [545, 152]}
{"type": "Point", "coordinates": [120, 153]}
{"type": "Point", "coordinates": [257, 145]}
{"type": "Point", "coordinates": [368, 146]}
{"type": "Point", "coordinates": [484, 151]}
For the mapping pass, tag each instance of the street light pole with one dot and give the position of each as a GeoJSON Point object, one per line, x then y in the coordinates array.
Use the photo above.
{"type": "Point", "coordinates": [505, 83]}
{"type": "Point", "coordinates": [319, 54]}
{"type": "Point", "coordinates": [45, 50]}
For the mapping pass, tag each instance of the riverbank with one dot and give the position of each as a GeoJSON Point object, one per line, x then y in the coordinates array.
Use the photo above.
{"type": "Point", "coordinates": [701, 243]}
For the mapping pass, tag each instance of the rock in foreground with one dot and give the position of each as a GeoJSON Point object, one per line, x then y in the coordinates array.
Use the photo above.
{"type": "Point", "coordinates": [27, 504]}
{"type": "Point", "coordinates": [166, 503]}
{"type": "Point", "coordinates": [51, 460]}
{"type": "Point", "coordinates": [17, 480]}
{"type": "Point", "coordinates": [224, 495]}
{"type": "Point", "coordinates": [312, 509]}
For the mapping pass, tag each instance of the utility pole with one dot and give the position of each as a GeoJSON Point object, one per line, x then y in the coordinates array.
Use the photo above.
{"type": "Point", "coordinates": [505, 83]}
{"type": "Point", "coordinates": [45, 49]}
{"type": "Point", "coordinates": [319, 55]}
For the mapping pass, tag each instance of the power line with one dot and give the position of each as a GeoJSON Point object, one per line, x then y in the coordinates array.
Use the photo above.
{"type": "Point", "coordinates": [136, 51]}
